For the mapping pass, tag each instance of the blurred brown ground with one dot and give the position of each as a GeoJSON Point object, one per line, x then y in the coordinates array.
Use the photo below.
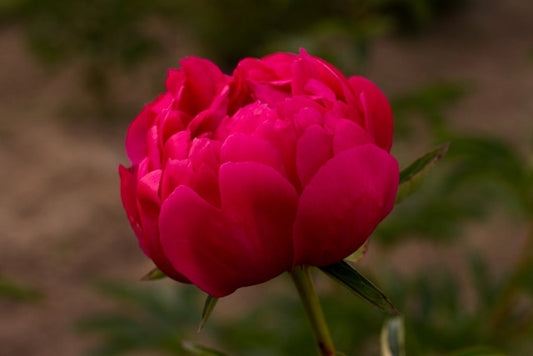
{"type": "Point", "coordinates": [61, 221]}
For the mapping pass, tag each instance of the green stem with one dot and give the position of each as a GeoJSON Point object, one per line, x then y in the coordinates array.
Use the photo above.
{"type": "Point", "coordinates": [304, 284]}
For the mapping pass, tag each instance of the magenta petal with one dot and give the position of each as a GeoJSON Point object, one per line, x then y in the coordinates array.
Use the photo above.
{"type": "Point", "coordinates": [171, 123]}
{"type": "Point", "coordinates": [282, 135]}
{"type": "Point", "coordinates": [204, 151]}
{"type": "Point", "coordinates": [177, 145]}
{"type": "Point", "coordinates": [128, 191]}
{"type": "Point", "coordinates": [319, 90]}
{"type": "Point", "coordinates": [280, 63]}
{"type": "Point", "coordinates": [148, 193]}
{"type": "Point", "coordinates": [149, 207]}
{"type": "Point", "coordinates": [201, 244]}
{"type": "Point", "coordinates": [312, 151]}
{"type": "Point", "coordinates": [326, 73]}
{"type": "Point", "coordinates": [203, 80]}
{"type": "Point", "coordinates": [343, 203]}
{"type": "Point", "coordinates": [246, 120]}
{"type": "Point", "coordinates": [263, 203]}
{"type": "Point", "coordinates": [378, 113]}
{"type": "Point", "coordinates": [136, 136]}
{"type": "Point", "coordinates": [174, 82]}
{"type": "Point", "coordinates": [348, 134]}
{"type": "Point", "coordinates": [153, 150]}
{"type": "Point", "coordinates": [177, 172]}
{"type": "Point", "coordinates": [267, 92]}
{"type": "Point", "coordinates": [247, 148]}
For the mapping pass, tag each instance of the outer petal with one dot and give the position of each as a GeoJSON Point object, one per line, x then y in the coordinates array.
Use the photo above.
{"type": "Point", "coordinates": [208, 119]}
{"type": "Point", "coordinates": [149, 206]}
{"type": "Point", "coordinates": [281, 64]}
{"type": "Point", "coordinates": [343, 203]}
{"type": "Point", "coordinates": [199, 243]}
{"type": "Point", "coordinates": [216, 255]}
{"type": "Point", "coordinates": [174, 82]}
{"type": "Point", "coordinates": [263, 203]}
{"type": "Point", "coordinates": [138, 129]}
{"type": "Point", "coordinates": [307, 67]}
{"type": "Point", "coordinates": [128, 189]}
{"type": "Point", "coordinates": [136, 136]}
{"type": "Point", "coordinates": [378, 114]}
{"type": "Point", "coordinates": [203, 80]}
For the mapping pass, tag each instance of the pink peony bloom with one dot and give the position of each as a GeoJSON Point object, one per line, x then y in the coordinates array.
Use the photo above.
{"type": "Point", "coordinates": [236, 179]}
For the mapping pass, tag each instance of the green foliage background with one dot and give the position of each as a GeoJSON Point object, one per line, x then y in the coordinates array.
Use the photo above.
{"type": "Point", "coordinates": [479, 175]}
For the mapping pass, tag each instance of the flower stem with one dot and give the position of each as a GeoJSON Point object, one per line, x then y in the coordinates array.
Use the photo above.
{"type": "Point", "coordinates": [304, 284]}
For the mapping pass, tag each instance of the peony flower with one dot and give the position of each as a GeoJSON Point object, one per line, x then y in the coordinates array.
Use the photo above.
{"type": "Point", "coordinates": [236, 179]}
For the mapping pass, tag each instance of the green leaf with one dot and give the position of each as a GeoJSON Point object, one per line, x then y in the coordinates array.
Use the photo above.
{"type": "Point", "coordinates": [393, 337]}
{"type": "Point", "coordinates": [200, 350]}
{"type": "Point", "coordinates": [153, 275]}
{"type": "Point", "coordinates": [209, 306]}
{"type": "Point", "coordinates": [358, 254]}
{"type": "Point", "coordinates": [412, 176]}
{"type": "Point", "coordinates": [346, 275]}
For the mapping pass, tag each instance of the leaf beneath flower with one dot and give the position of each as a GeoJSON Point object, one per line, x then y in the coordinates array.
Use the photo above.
{"type": "Point", "coordinates": [346, 275]}
{"type": "Point", "coordinates": [153, 275]}
{"type": "Point", "coordinates": [413, 175]}
{"type": "Point", "coordinates": [393, 337]}
{"type": "Point", "coordinates": [209, 306]}
{"type": "Point", "coordinates": [358, 254]}
{"type": "Point", "coordinates": [200, 350]}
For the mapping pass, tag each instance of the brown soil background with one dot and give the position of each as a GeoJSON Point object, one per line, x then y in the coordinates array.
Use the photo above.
{"type": "Point", "coordinates": [61, 221]}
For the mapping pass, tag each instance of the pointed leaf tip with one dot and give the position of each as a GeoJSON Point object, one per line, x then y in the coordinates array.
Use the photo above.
{"type": "Point", "coordinates": [347, 276]}
{"type": "Point", "coordinates": [209, 306]}
{"type": "Point", "coordinates": [413, 175]}
{"type": "Point", "coordinates": [153, 275]}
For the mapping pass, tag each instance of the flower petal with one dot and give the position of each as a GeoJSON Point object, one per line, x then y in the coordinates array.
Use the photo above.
{"type": "Point", "coordinates": [177, 146]}
{"type": "Point", "coordinates": [202, 245]}
{"type": "Point", "coordinates": [312, 151]}
{"type": "Point", "coordinates": [172, 122]}
{"type": "Point", "coordinates": [349, 134]}
{"type": "Point", "coordinates": [149, 208]}
{"type": "Point", "coordinates": [343, 203]}
{"type": "Point", "coordinates": [203, 80]}
{"type": "Point", "coordinates": [177, 172]}
{"type": "Point", "coordinates": [263, 203]}
{"type": "Point", "coordinates": [128, 189]}
{"type": "Point", "coordinates": [239, 147]}
{"type": "Point", "coordinates": [378, 113]}
{"type": "Point", "coordinates": [136, 136]}
{"type": "Point", "coordinates": [282, 135]}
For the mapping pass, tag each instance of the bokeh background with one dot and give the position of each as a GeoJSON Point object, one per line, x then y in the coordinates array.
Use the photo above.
{"type": "Point", "coordinates": [456, 258]}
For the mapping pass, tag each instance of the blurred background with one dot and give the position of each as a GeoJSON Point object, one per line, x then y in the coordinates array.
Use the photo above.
{"type": "Point", "coordinates": [456, 258]}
